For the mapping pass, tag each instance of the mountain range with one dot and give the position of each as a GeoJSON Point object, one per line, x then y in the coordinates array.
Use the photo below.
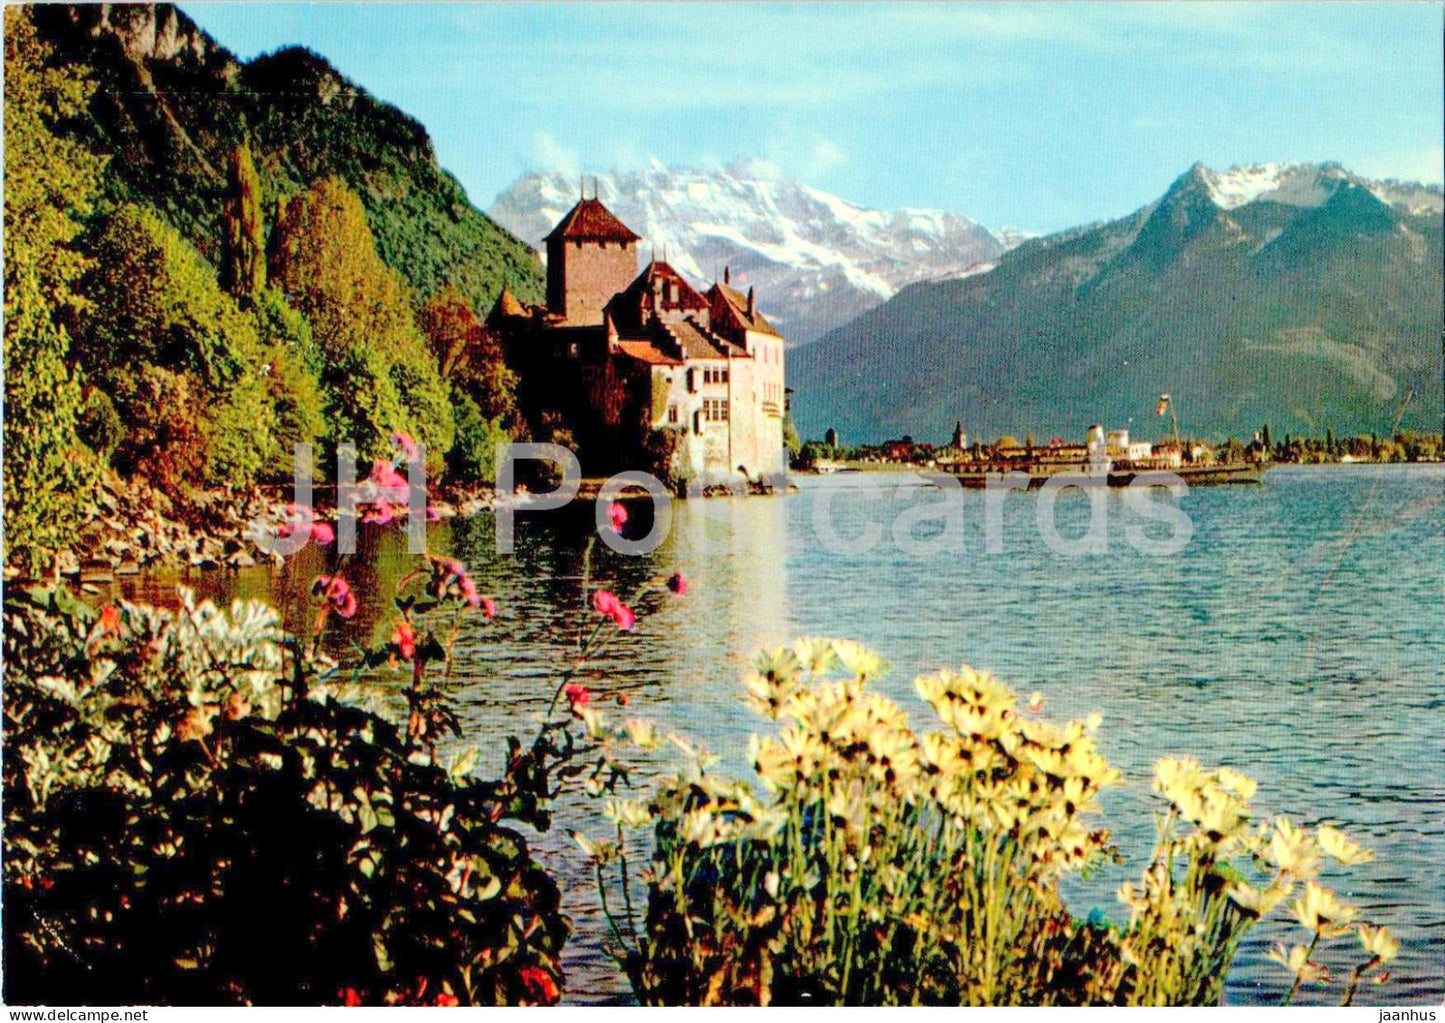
{"type": "Point", "coordinates": [170, 102]}
{"type": "Point", "coordinates": [816, 260]}
{"type": "Point", "coordinates": [1299, 295]}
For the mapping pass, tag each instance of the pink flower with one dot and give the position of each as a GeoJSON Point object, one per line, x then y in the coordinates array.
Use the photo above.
{"type": "Point", "coordinates": [432, 515]}
{"type": "Point", "coordinates": [338, 591]}
{"type": "Point", "coordinates": [604, 602]}
{"type": "Point", "coordinates": [618, 513]}
{"type": "Point", "coordinates": [385, 476]}
{"type": "Point", "coordinates": [381, 514]}
{"type": "Point", "coordinates": [403, 639]}
{"type": "Point", "coordinates": [469, 592]}
{"type": "Point", "coordinates": [677, 584]}
{"type": "Point", "coordinates": [624, 617]}
{"type": "Point", "coordinates": [322, 532]}
{"type": "Point", "coordinates": [577, 695]}
{"type": "Point", "coordinates": [454, 568]}
{"type": "Point", "coordinates": [489, 607]}
{"type": "Point", "coordinates": [406, 445]}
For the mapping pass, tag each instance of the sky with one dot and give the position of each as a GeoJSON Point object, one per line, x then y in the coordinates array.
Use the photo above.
{"type": "Point", "coordinates": [1035, 116]}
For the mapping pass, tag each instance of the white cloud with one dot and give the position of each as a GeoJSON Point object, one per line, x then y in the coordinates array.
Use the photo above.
{"type": "Point", "coordinates": [550, 155]}
{"type": "Point", "coordinates": [807, 156]}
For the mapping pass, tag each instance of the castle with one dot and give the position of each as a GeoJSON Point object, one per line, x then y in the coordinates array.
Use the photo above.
{"type": "Point", "coordinates": [641, 370]}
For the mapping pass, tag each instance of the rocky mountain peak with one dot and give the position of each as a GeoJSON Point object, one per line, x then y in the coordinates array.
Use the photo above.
{"type": "Point", "coordinates": [145, 34]}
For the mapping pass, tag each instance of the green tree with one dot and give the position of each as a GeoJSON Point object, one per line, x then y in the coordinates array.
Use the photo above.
{"type": "Point", "coordinates": [243, 246]}
{"type": "Point", "coordinates": [154, 299]}
{"type": "Point", "coordinates": [469, 358]}
{"type": "Point", "coordinates": [376, 365]}
{"type": "Point", "coordinates": [290, 369]}
{"type": "Point", "coordinates": [474, 455]}
{"type": "Point", "coordinates": [155, 303]}
{"type": "Point", "coordinates": [792, 444]}
{"type": "Point", "coordinates": [50, 185]}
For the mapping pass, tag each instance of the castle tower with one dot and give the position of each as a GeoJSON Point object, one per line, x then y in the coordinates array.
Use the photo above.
{"type": "Point", "coordinates": [591, 256]}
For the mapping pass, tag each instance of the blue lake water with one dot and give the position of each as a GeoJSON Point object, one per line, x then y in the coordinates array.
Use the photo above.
{"type": "Point", "coordinates": [1299, 636]}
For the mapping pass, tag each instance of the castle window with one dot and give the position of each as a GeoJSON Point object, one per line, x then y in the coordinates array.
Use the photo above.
{"type": "Point", "coordinates": [672, 413]}
{"type": "Point", "coordinates": [724, 374]}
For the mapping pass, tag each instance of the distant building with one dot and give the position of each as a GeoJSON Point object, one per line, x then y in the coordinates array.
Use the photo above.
{"type": "Point", "coordinates": [640, 363]}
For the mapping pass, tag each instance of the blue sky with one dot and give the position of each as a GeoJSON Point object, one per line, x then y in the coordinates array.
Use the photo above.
{"type": "Point", "coordinates": [1038, 116]}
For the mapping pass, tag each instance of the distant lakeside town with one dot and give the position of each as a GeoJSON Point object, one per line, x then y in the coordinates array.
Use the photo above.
{"type": "Point", "coordinates": [962, 452]}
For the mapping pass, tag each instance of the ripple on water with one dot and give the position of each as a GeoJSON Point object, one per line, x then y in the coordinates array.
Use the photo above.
{"type": "Point", "coordinates": [1298, 636]}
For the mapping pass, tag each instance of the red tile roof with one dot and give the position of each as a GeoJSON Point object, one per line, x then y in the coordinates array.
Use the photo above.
{"type": "Point", "coordinates": [737, 304]}
{"type": "Point", "coordinates": [589, 220]}
{"type": "Point", "coordinates": [646, 351]}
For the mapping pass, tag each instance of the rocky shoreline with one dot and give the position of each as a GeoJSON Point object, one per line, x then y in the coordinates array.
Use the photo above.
{"type": "Point", "coordinates": [132, 526]}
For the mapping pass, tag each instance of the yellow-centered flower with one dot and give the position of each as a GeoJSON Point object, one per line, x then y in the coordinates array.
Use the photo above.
{"type": "Point", "coordinates": [1339, 847]}
{"type": "Point", "coordinates": [1378, 942]}
{"type": "Point", "coordinates": [1320, 910]}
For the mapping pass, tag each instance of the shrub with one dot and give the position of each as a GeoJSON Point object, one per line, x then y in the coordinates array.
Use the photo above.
{"type": "Point", "coordinates": [474, 455]}
{"type": "Point", "coordinates": [194, 814]}
{"type": "Point", "coordinates": [664, 456]}
{"type": "Point", "coordinates": [166, 438]}
{"type": "Point", "coordinates": [882, 866]}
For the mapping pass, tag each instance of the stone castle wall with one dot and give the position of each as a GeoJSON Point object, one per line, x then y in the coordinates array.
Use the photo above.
{"type": "Point", "coordinates": [583, 277]}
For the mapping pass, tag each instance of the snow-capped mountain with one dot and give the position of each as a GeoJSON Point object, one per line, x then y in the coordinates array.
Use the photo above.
{"type": "Point", "coordinates": [1310, 184]}
{"type": "Point", "coordinates": [816, 260]}
{"type": "Point", "coordinates": [1300, 295]}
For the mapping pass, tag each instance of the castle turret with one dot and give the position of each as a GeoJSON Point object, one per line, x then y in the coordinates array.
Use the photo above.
{"type": "Point", "coordinates": [591, 256]}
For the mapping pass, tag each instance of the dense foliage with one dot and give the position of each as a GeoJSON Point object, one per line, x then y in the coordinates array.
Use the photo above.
{"type": "Point", "coordinates": [196, 812]}
{"type": "Point", "coordinates": [878, 865]}
{"type": "Point", "coordinates": [156, 314]}
{"type": "Point", "coordinates": [381, 375]}
{"type": "Point", "coordinates": [49, 188]}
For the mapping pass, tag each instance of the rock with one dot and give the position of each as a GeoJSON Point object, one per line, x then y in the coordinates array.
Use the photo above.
{"type": "Point", "coordinates": [96, 570]}
{"type": "Point", "coordinates": [240, 559]}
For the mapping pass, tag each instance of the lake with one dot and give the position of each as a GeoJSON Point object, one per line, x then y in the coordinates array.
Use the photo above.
{"type": "Point", "coordinates": [1298, 636]}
